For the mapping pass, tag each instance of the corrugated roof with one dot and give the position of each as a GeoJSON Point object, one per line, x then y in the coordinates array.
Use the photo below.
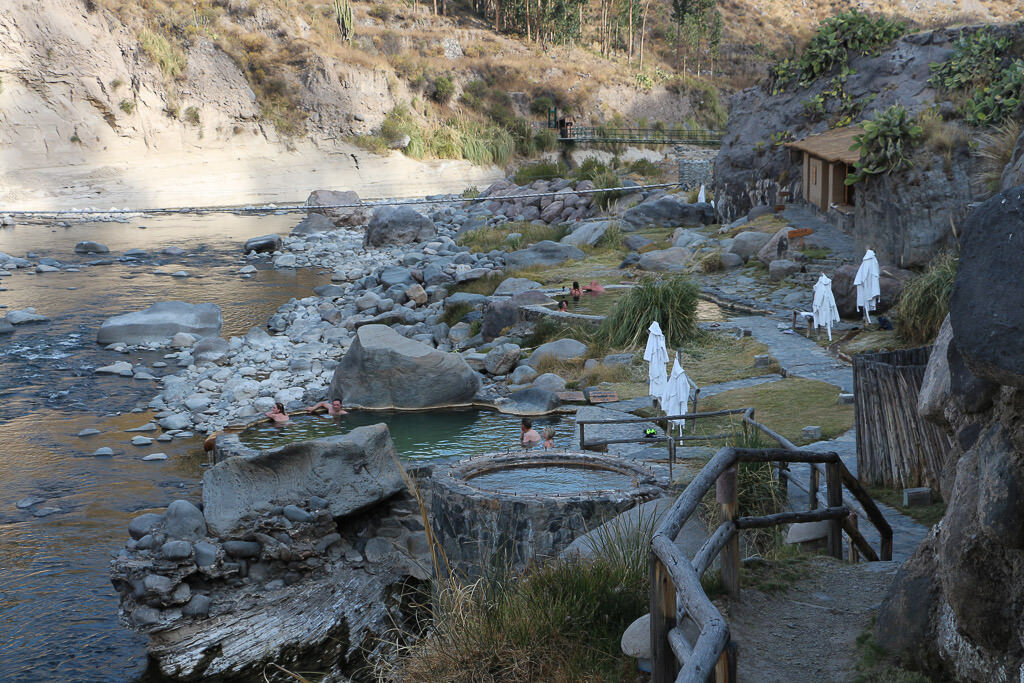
{"type": "Point", "coordinates": [831, 146]}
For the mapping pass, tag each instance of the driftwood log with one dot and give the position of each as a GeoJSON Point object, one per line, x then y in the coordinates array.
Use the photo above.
{"type": "Point", "coordinates": [896, 448]}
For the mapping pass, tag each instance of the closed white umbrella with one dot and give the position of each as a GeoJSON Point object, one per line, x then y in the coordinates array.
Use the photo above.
{"type": "Point", "coordinates": [866, 283]}
{"type": "Point", "coordinates": [701, 196]}
{"type": "Point", "coordinates": [826, 314]}
{"type": "Point", "coordinates": [676, 399]}
{"type": "Point", "coordinates": [657, 356]}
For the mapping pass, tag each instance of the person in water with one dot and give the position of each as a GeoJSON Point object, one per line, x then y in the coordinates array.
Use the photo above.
{"type": "Point", "coordinates": [528, 436]}
{"type": "Point", "coordinates": [576, 292]}
{"type": "Point", "coordinates": [563, 306]}
{"type": "Point", "coordinates": [334, 408]}
{"type": "Point", "coordinates": [549, 437]}
{"type": "Point", "coordinates": [277, 414]}
{"type": "Point", "coordinates": [595, 287]}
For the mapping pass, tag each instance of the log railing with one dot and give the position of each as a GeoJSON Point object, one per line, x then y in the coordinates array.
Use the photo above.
{"type": "Point", "coordinates": [676, 590]}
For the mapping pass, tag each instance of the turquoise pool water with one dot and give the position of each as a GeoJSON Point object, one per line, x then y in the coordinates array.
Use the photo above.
{"type": "Point", "coordinates": [551, 479]}
{"type": "Point", "coordinates": [417, 436]}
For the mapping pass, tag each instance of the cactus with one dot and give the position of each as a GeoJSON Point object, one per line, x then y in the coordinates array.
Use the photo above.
{"type": "Point", "coordinates": [343, 13]}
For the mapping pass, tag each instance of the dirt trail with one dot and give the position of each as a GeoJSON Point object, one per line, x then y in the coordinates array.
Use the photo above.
{"type": "Point", "coordinates": [808, 633]}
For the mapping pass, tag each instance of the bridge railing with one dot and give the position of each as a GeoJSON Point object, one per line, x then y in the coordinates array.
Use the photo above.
{"type": "Point", "coordinates": [648, 135]}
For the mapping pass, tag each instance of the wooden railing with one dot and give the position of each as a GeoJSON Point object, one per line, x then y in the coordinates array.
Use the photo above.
{"type": "Point", "coordinates": [676, 590]}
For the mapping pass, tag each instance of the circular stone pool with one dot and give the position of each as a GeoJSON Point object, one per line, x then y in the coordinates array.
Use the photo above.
{"type": "Point", "coordinates": [503, 511]}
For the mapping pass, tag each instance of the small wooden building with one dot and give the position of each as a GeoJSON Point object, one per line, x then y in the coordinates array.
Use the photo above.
{"type": "Point", "coordinates": [827, 160]}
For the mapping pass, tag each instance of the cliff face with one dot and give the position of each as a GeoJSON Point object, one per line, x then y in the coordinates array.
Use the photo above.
{"type": "Point", "coordinates": [958, 604]}
{"type": "Point", "coordinates": [904, 217]}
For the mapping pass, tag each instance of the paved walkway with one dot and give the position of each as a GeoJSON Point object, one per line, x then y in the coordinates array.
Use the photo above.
{"type": "Point", "coordinates": [797, 355]}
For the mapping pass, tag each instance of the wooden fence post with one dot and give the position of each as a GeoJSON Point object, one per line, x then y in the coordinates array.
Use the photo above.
{"type": "Point", "coordinates": [725, 493]}
{"type": "Point", "coordinates": [854, 555]}
{"type": "Point", "coordinates": [725, 669]}
{"type": "Point", "coordinates": [583, 427]}
{"type": "Point", "coordinates": [834, 492]}
{"type": "Point", "coordinates": [812, 488]}
{"type": "Point", "coordinates": [664, 666]}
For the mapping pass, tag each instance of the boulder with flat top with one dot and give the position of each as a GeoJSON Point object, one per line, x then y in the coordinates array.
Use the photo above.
{"type": "Point", "coordinates": [383, 369]}
{"type": "Point", "coordinates": [160, 322]}
{"type": "Point", "coordinates": [342, 208]}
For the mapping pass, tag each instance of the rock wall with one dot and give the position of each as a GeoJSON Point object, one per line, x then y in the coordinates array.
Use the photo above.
{"type": "Point", "coordinates": [904, 218]}
{"type": "Point", "coordinates": [956, 605]}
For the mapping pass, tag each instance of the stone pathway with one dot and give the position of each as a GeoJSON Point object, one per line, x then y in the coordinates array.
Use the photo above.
{"type": "Point", "coordinates": [826, 235]}
{"type": "Point", "coordinates": [722, 387]}
{"type": "Point", "coordinates": [797, 355]}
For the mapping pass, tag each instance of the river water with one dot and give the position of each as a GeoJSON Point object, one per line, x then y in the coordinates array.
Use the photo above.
{"type": "Point", "coordinates": [58, 611]}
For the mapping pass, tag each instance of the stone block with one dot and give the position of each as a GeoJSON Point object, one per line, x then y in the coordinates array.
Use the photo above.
{"type": "Point", "coordinates": [812, 433]}
{"type": "Point", "coordinates": [916, 497]}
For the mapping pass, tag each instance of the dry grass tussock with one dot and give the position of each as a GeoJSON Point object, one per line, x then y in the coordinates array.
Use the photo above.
{"type": "Point", "coordinates": [995, 148]}
{"type": "Point", "coordinates": [576, 374]}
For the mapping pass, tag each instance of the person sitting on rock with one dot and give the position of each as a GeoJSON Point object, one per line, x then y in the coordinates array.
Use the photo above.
{"type": "Point", "coordinates": [595, 287]}
{"type": "Point", "coordinates": [277, 414]}
{"type": "Point", "coordinates": [576, 292]}
{"type": "Point", "coordinates": [549, 437]}
{"type": "Point", "coordinates": [528, 435]}
{"type": "Point", "coordinates": [334, 408]}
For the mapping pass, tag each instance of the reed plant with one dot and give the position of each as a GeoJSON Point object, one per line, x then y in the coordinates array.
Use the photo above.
{"type": "Point", "coordinates": [924, 303]}
{"type": "Point", "coordinates": [671, 301]}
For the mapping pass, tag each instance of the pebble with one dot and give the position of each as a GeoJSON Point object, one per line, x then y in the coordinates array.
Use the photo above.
{"type": "Point", "coordinates": [141, 441]}
{"type": "Point", "coordinates": [105, 450]}
{"type": "Point", "coordinates": [155, 456]}
{"type": "Point", "coordinates": [89, 431]}
{"type": "Point", "coordinates": [28, 502]}
{"type": "Point", "coordinates": [148, 427]}
{"type": "Point", "coordinates": [180, 273]}
{"type": "Point", "coordinates": [45, 512]}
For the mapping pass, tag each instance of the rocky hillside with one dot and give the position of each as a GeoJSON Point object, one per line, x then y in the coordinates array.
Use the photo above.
{"type": "Point", "coordinates": [906, 212]}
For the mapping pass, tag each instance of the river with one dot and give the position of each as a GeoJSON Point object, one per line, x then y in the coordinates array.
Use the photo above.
{"type": "Point", "coordinates": [58, 611]}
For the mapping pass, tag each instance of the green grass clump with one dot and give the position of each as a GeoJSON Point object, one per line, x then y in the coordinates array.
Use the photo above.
{"type": "Point", "coordinates": [486, 239]}
{"type": "Point", "coordinates": [925, 514]}
{"type": "Point", "coordinates": [561, 621]}
{"type": "Point", "coordinates": [484, 285]}
{"type": "Point", "coordinates": [646, 169]}
{"type": "Point", "coordinates": [672, 302]}
{"type": "Point", "coordinates": [454, 314]}
{"type": "Point", "coordinates": [540, 170]}
{"type": "Point", "coordinates": [192, 115]}
{"type": "Point", "coordinates": [924, 303]}
{"type": "Point", "coordinates": [169, 58]}
{"type": "Point", "coordinates": [875, 665]}
{"type": "Point", "coordinates": [127, 106]}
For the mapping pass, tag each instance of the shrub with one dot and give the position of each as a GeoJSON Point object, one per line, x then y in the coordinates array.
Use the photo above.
{"type": "Point", "coordinates": [444, 90]}
{"type": "Point", "coordinates": [169, 58]}
{"type": "Point", "coordinates": [645, 168]}
{"type": "Point", "coordinates": [545, 141]}
{"type": "Point", "coordinates": [192, 115]}
{"type": "Point", "coordinates": [127, 106]}
{"type": "Point", "coordinates": [541, 105]}
{"type": "Point", "coordinates": [380, 11]}
{"type": "Point", "coordinates": [995, 147]}
{"type": "Point", "coordinates": [471, 192]}
{"type": "Point", "coordinates": [924, 303]}
{"type": "Point", "coordinates": [885, 144]}
{"type": "Point", "coordinates": [672, 302]}
{"type": "Point", "coordinates": [978, 72]}
{"type": "Point", "coordinates": [712, 262]}
{"type": "Point", "coordinates": [116, 83]}
{"type": "Point", "coordinates": [541, 170]}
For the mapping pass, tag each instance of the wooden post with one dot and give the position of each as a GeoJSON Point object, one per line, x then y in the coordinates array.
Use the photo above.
{"type": "Point", "coordinates": [834, 493]}
{"type": "Point", "coordinates": [854, 555]}
{"type": "Point", "coordinates": [725, 493]}
{"type": "Point", "coordinates": [725, 669]}
{"type": "Point", "coordinates": [812, 489]}
{"type": "Point", "coordinates": [671, 455]}
{"type": "Point", "coordinates": [664, 666]}
{"type": "Point", "coordinates": [583, 426]}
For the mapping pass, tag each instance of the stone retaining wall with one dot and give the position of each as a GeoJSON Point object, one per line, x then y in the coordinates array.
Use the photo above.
{"type": "Point", "coordinates": [481, 529]}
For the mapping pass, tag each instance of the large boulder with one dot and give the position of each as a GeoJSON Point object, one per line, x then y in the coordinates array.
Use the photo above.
{"type": "Point", "coordinates": [747, 244]}
{"type": "Point", "coordinates": [313, 223]}
{"type": "Point", "coordinates": [560, 349]}
{"type": "Point", "coordinates": [383, 369]}
{"type": "Point", "coordinates": [501, 359]}
{"type": "Point", "coordinates": [340, 215]}
{"type": "Point", "coordinates": [351, 472]}
{"type": "Point", "coordinates": [515, 285]}
{"type": "Point", "coordinates": [777, 247]}
{"type": "Point", "coordinates": [209, 350]}
{"type": "Point", "coordinates": [499, 314]}
{"type": "Point", "coordinates": [546, 253]}
{"type": "Point", "coordinates": [589, 232]}
{"type": "Point", "coordinates": [398, 225]}
{"type": "Point", "coordinates": [891, 282]}
{"type": "Point", "coordinates": [263, 244]}
{"type": "Point", "coordinates": [160, 322]}
{"type": "Point", "coordinates": [531, 401]}
{"type": "Point", "coordinates": [667, 211]}
{"type": "Point", "coordinates": [1013, 173]}
{"type": "Point", "coordinates": [987, 305]}
{"type": "Point", "coordinates": [673, 259]}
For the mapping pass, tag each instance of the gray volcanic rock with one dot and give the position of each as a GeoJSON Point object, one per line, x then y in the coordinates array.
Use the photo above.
{"type": "Point", "coordinates": [562, 349]}
{"type": "Point", "coordinates": [209, 350]}
{"type": "Point", "coordinates": [498, 315]}
{"type": "Point", "coordinates": [313, 223]}
{"type": "Point", "coordinates": [589, 232]}
{"type": "Point", "coordinates": [342, 216]}
{"type": "Point", "coordinates": [90, 247]}
{"type": "Point", "coordinates": [263, 243]}
{"type": "Point", "coordinates": [5, 327]}
{"type": "Point", "coordinates": [673, 259]}
{"type": "Point", "coordinates": [987, 305]}
{"type": "Point", "coordinates": [515, 285]}
{"type": "Point", "coordinates": [398, 225]}
{"type": "Point", "coordinates": [934, 393]}
{"type": "Point", "coordinates": [160, 322]}
{"type": "Point", "coordinates": [531, 401]}
{"type": "Point", "coordinates": [383, 369]}
{"type": "Point", "coordinates": [545, 253]}
{"type": "Point", "coordinates": [1013, 174]}
{"type": "Point", "coordinates": [747, 244]}
{"type": "Point", "coordinates": [667, 211]}
{"type": "Point", "coordinates": [351, 471]}
{"type": "Point", "coordinates": [501, 359]}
